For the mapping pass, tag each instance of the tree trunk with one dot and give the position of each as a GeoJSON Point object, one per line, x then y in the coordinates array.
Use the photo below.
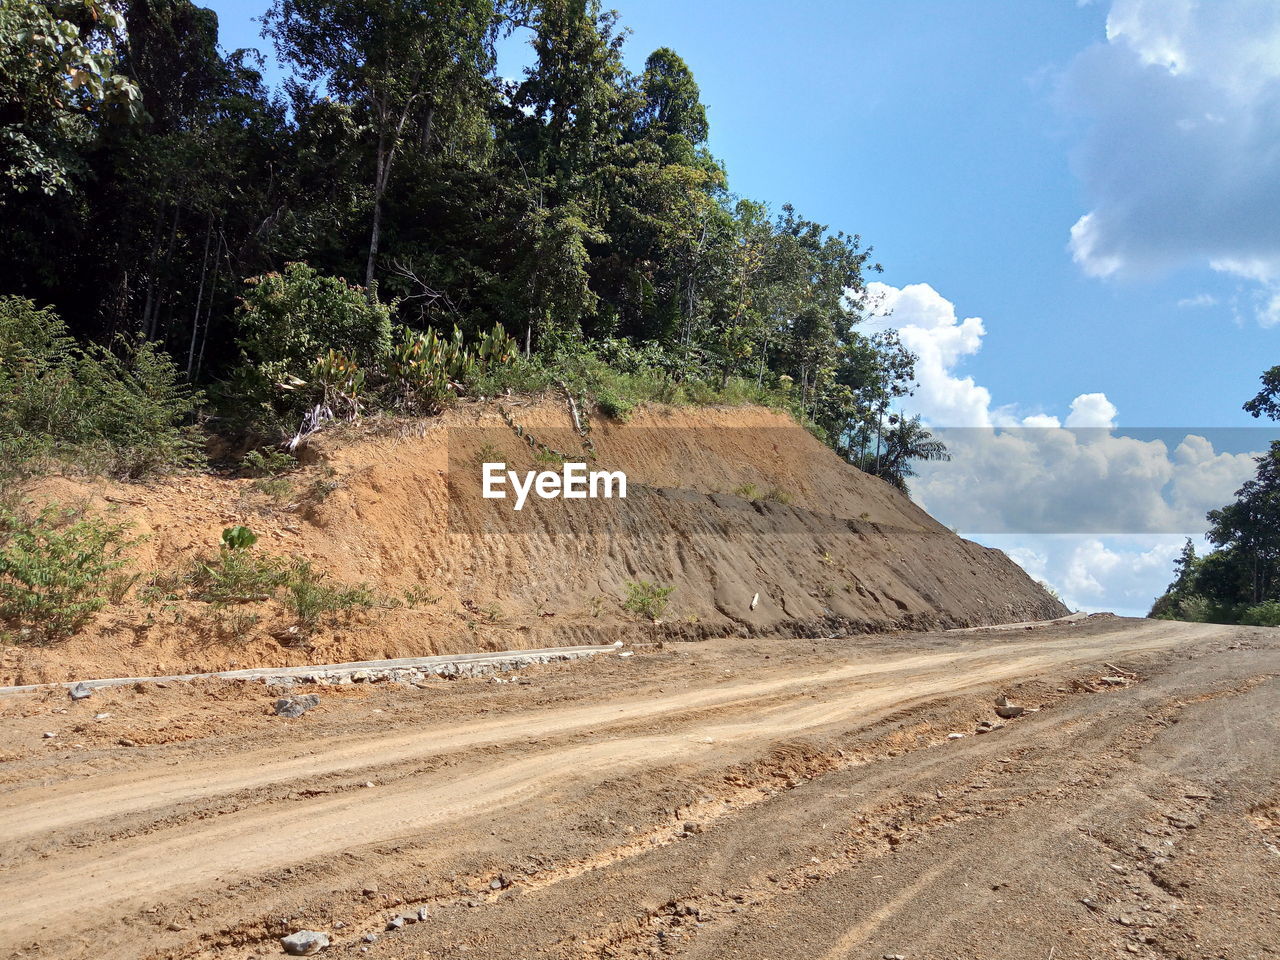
{"type": "Point", "coordinates": [195, 319]}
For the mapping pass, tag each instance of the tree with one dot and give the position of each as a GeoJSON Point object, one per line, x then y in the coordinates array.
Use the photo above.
{"type": "Point", "coordinates": [907, 440]}
{"type": "Point", "coordinates": [1267, 401]}
{"type": "Point", "coordinates": [413, 70]}
{"type": "Point", "coordinates": [58, 76]}
{"type": "Point", "coordinates": [672, 100]}
{"type": "Point", "coordinates": [1250, 527]}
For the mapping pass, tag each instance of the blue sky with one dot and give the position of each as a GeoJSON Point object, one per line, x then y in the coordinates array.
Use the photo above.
{"type": "Point", "coordinates": [1077, 205]}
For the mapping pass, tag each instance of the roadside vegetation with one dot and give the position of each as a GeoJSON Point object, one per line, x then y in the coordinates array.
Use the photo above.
{"type": "Point", "coordinates": [647, 600]}
{"type": "Point", "coordinates": [1239, 580]}
{"type": "Point", "coordinates": [190, 255]}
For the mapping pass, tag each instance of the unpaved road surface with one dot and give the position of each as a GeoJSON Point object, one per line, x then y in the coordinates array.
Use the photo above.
{"type": "Point", "coordinates": [754, 799]}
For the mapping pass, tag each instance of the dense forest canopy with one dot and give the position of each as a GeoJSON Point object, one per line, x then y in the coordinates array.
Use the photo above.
{"type": "Point", "coordinates": [154, 186]}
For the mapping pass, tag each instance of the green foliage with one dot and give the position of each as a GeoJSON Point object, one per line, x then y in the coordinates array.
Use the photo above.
{"type": "Point", "coordinates": [313, 343]}
{"type": "Point", "coordinates": [577, 206]}
{"type": "Point", "coordinates": [1267, 401]}
{"type": "Point", "coordinates": [56, 569]}
{"type": "Point", "coordinates": [311, 597]}
{"type": "Point", "coordinates": [58, 69]}
{"type": "Point", "coordinates": [646, 599]}
{"type": "Point", "coordinates": [427, 371]}
{"type": "Point", "coordinates": [239, 575]}
{"type": "Point", "coordinates": [1262, 614]}
{"type": "Point", "coordinates": [1241, 576]}
{"type": "Point", "coordinates": [300, 328]}
{"type": "Point", "coordinates": [119, 412]}
{"type": "Point", "coordinates": [238, 538]}
{"type": "Point", "coordinates": [417, 596]}
{"type": "Point", "coordinates": [613, 406]}
{"type": "Point", "coordinates": [267, 463]}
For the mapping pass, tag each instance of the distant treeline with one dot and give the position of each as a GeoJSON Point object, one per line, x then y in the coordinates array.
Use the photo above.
{"type": "Point", "coordinates": [1239, 580]}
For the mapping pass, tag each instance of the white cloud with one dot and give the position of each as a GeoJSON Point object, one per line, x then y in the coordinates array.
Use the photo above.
{"type": "Point", "coordinates": [927, 323]}
{"type": "Point", "coordinates": [1121, 574]}
{"type": "Point", "coordinates": [930, 328]}
{"type": "Point", "coordinates": [1091, 410]}
{"type": "Point", "coordinates": [1081, 481]}
{"type": "Point", "coordinates": [1199, 300]}
{"type": "Point", "coordinates": [1182, 157]}
{"type": "Point", "coordinates": [1098, 515]}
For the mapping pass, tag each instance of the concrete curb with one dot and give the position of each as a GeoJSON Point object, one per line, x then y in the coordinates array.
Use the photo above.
{"type": "Point", "coordinates": [405, 669]}
{"type": "Point", "coordinates": [1025, 625]}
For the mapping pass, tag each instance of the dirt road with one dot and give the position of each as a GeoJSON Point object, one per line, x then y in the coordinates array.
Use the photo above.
{"type": "Point", "coordinates": [756, 799]}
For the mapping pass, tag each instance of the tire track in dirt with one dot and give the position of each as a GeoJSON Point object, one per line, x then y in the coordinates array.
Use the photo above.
{"type": "Point", "coordinates": [73, 888]}
{"type": "Point", "coordinates": [61, 807]}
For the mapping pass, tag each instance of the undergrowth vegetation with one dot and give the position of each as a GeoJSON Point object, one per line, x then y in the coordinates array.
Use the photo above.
{"type": "Point", "coordinates": [123, 411]}
{"type": "Point", "coordinates": [238, 574]}
{"type": "Point", "coordinates": [58, 567]}
{"type": "Point", "coordinates": [646, 599]}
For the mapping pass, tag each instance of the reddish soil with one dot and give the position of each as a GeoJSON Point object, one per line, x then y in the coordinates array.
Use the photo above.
{"type": "Point", "coordinates": [396, 506]}
{"type": "Point", "coordinates": [755, 798]}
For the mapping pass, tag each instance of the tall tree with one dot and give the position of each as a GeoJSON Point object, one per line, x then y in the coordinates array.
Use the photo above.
{"type": "Point", "coordinates": [414, 70]}
{"type": "Point", "coordinates": [672, 100]}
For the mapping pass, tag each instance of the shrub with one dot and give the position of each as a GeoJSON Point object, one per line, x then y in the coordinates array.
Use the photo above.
{"type": "Point", "coordinates": [425, 370]}
{"type": "Point", "coordinates": [647, 600]}
{"type": "Point", "coordinates": [134, 408]}
{"type": "Point", "coordinates": [288, 320]}
{"type": "Point", "coordinates": [614, 406]}
{"type": "Point", "coordinates": [309, 597]}
{"type": "Point", "coordinates": [56, 569]}
{"type": "Point", "coordinates": [237, 574]}
{"type": "Point", "coordinates": [1262, 614]}
{"type": "Point", "coordinates": [1194, 608]}
{"type": "Point", "coordinates": [267, 463]}
{"type": "Point", "coordinates": [124, 412]}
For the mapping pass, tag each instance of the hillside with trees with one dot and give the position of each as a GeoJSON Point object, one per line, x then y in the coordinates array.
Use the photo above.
{"type": "Point", "coordinates": [396, 225]}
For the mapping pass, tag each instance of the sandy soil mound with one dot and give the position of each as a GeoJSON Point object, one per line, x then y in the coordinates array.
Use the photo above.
{"type": "Point", "coordinates": [728, 506]}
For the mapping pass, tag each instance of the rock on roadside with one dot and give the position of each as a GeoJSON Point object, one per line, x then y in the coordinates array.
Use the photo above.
{"type": "Point", "coordinates": [304, 943]}
{"type": "Point", "coordinates": [1006, 710]}
{"type": "Point", "coordinates": [292, 707]}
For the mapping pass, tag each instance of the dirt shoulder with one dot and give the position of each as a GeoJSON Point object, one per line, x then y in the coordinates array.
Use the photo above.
{"type": "Point", "coordinates": [754, 798]}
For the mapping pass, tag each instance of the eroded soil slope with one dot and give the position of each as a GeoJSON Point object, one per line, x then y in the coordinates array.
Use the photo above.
{"type": "Point", "coordinates": [760, 529]}
{"type": "Point", "coordinates": [754, 798]}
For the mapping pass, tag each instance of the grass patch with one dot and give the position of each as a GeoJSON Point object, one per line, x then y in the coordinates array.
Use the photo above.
{"type": "Point", "coordinates": [312, 597]}
{"type": "Point", "coordinates": [749, 491]}
{"type": "Point", "coordinates": [647, 600]}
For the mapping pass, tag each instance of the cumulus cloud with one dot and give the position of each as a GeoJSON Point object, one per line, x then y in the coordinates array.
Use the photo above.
{"type": "Point", "coordinates": [1182, 156]}
{"type": "Point", "coordinates": [1091, 410]}
{"type": "Point", "coordinates": [1094, 481]}
{"type": "Point", "coordinates": [1122, 574]}
{"type": "Point", "coordinates": [929, 327]}
{"type": "Point", "coordinates": [1097, 514]}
